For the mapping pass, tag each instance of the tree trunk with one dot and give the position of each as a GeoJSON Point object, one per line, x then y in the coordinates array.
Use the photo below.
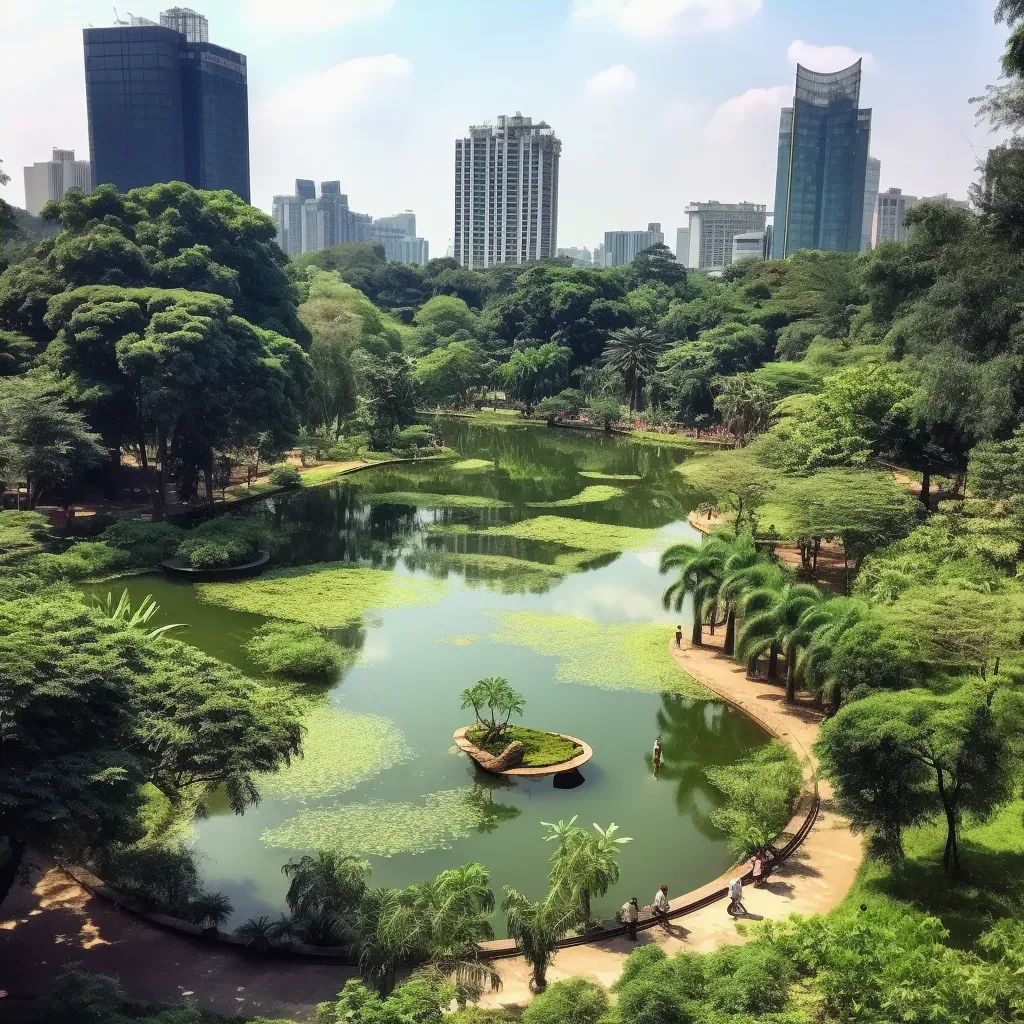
{"type": "Point", "coordinates": [926, 483]}
{"type": "Point", "coordinates": [9, 869]}
{"type": "Point", "coordinates": [697, 633]}
{"type": "Point", "coordinates": [114, 473]}
{"type": "Point", "coordinates": [161, 477]}
{"type": "Point", "coordinates": [154, 491]}
{"type": "Point", "coordinates": [790, 677]}
{"type": "Point", "coordinates": [729, 646]}
{"type": "Point", "coordinates": [837, 699]}
{"type": "Point", "coordinates": [208, 479]}
{"type": "Point", "coordinates": [773, 663]}
{"type": "Point", "coordinates": [951, 853]}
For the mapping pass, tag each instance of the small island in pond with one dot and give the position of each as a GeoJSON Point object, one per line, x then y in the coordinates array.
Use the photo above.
{"type": "Point", "coordinates": [497, 746]}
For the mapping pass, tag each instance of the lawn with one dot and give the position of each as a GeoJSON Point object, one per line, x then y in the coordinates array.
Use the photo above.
{"type": "Point", "coordinates": [541, 748]}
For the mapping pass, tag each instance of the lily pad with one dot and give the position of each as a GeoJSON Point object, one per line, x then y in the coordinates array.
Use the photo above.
{"type": "Point", "coordinates": [595, 494]}
{"type": "Point", "coordinates": [608, 476]}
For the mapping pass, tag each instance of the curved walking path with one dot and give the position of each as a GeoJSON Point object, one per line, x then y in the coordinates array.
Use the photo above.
{"type": "Point", "coordinates": [55, 922]}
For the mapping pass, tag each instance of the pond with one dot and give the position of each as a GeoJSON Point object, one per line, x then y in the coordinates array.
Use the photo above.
{"type": "Point", "coordinates": [535, 557]}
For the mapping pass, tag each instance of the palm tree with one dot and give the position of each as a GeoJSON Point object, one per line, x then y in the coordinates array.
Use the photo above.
{"type": "Point", "coordinates": [386, 939]}
{"type": "Point", "coordinates": [452, 912]}
{"type": "Point", "coordinates": [634, 352]}
{"type": "Point", "coordinates": [699, 572]}
{"type": "Point", "coordinates": [771, 625]}
{"type": "Point", "coordinates": [211, 909]}
{"type": "Point", "coordinates": [585, 863]}
{"type": "Point", "coordinates": [824, 625]}
{"type": "Point", "coordinates": [258, 934]}
{"type": "Point", "coordinates": [323, 892]}
{"type": "Point", "coordinates": [744, 406]}
{"type": "Point", "coordinates": [743, 569]}
{"type": "Point", "coordinates": [537, 927]}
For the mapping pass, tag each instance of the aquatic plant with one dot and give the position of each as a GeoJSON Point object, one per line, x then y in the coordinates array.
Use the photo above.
{"type": "Point", "coordinates": [577, 533]}
{"type": "Point", "coordinates": [471, 464]}
{"type": "Point", "coordinates": [122, 612]}
{"type": "Point", "coordinates": [423, 499]}
{"type": "Point", "coordinates": [620, 656]}
{"type": "Point", "coordinates": [328, 594]}
{"type": "Point", "coordinates": [382, 828]}
{"type": "Point", "coordinates": [340, 750]}
{"type": "Point", "coordinates": [607, 476]}
{"type": "Point", "coordinates": [592, 495]}
{"type": "Point", "coordinates": [296, 650]}
{"type": "Point", "coordinates": [460, 639]}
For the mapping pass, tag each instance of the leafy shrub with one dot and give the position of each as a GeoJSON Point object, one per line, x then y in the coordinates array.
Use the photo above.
{"type": "Point", "coordinates": [222, 543]}
{"type": "Point", "coordinates": [285, 476]}
{"type": "Point", "coordinates": [81, 996]}
{"type": "Point", "coordinates": [147, 543]}
{"type": "Point", "coordinates": [414, 438]}
{"type": "Point", "coordinates": [576, 1001]}
{"type": "Point", "coordinates": [418, 1001]}
{"type": "Point", "coordinates": [653, 1002]}
{"type": "Point", "coordinates": [748, 979]}
{"type": "Point", "coordinates": [639, 963]}
{"type": "Point", "coordinates": [84, 560]}
{"type": "Point", "coordinates": [295, 649]}
{"type": "Point", "coordinates": [162, 875]}
{"type": "Point", "coordinates": [21, 535]}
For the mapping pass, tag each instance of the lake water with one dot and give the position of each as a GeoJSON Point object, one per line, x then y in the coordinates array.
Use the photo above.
{"type": "Point", "coordinates": [415, 660]}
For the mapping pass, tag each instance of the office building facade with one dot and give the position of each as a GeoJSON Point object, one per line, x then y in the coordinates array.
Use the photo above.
{"type": "Point", "coordinates": [713, 225]}
{"type": "Point", "coordinates": [506, 193]}
{"type": "Point", "coordinates": [872, 180]}
{"type": "Point", "coordinates": [820, 183]}
{"type": "Point", "coordinates": [683, 246]}
{"type": "Point", "coordinates": [621, 247]}
{"type": "Point", "coordinates": [750, 245]}
{"type": "Point", "coordinates": [890, 216]}
{"type": "Point", "coordinates": [50, 179]}
{"type": "Point", "coordinates": [164, 108]}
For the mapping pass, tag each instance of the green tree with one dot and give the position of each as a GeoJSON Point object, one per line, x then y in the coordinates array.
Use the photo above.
{"type": "Point", "coordinates": [736, 480]}
{"type": "Point", "coordinates": [42, 441]}
{"type": "Point", "coordinates": [448, 374]}
{"type": "Point", "coordinates": [657, 263]}
{"type": "Point", "coordinates": [996, 468]}
{"type": "Point", "coordinates": [537, 927]}
{"type": "Point", "coordinates": [606, 411]}
{"type": "Point", "coordinates": [744, 406]}
{"type": "Point", "coordinates": [535, 373]}
{"type": "Point", "coordinates": [633, 352]}
{"type": "Point", "coordinates": [502, 702]}
{"type": "Point", "coordinates": [323, 894]}
{"type": "Point", "coordinates": [444, 317]}
{"type": "Point", "coordinates": [392, 402]}
{"type": "Point", "coordinates": [576, 1001]}
{"type": "Point", "coordinates": [332, 389]}
{"type": "Point", "coordinates": [584, 864]}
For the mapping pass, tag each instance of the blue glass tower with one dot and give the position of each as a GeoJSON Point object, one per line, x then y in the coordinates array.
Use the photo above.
{"type": "Point", "coordinates": [164, 108]}
{"type": "Point", "coordinates": [822, 164]}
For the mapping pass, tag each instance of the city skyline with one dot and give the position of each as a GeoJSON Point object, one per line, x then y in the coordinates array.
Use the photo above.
{"type": "Point", "coordinates": [374, 73]}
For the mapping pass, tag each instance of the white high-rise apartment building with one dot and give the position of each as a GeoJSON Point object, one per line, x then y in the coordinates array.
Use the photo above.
{"type": "Point", "coordinates": [599, 254]}
{"type": "Point", "coordinates": [506, 192]}
{"type": "Point", "coordinates": [714, 225]}
{"type": "Point", "coordinates": [872, 177]}
{"type": "Point", "coordinates": [404, 222]}
{"type": "Point", "coordinates": [194, 27]}
{"type": "Point", "coordinates": [50, 179]}
{"type": "Point", "coordinates": [944, 199]}
{"type": "Point", "coordinates": [398, 247]}
{"type": "Point", "coordinates": [682, 246]}
{"type": "Point", "coordinates": [890, 213]}
{"type": "Point", "coordinates": [621, 247]}
{"type": "Point", "coordinates": [313, 221]}
{"type": "Point", "coordinates": [287, 214]}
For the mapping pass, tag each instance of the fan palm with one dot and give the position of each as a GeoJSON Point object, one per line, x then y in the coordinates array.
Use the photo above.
{"type": "Point", "coordinates": [745, 407]}
{"type": "Point", "coordinates": [634, 352]}
{"type": "Point", "coordinates": [211, 909]}
{"type": "Point", "coordinates": [771, 625]}
{"type": "Point", "coordinates": [537, 927]}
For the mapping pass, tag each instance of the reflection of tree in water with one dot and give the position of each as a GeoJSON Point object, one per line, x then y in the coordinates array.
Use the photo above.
{"type": "Point", "coordinates": [481, 797]}
{"type": "Point", "coordinates": [696, 735]}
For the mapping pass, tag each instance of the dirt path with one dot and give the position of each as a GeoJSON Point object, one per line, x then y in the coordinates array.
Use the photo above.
{"type": "Point", "coordinates": [55, 922]}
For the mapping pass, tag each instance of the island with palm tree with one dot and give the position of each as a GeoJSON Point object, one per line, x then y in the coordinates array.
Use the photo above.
{"type": "Point", "coordinates": [505, 749]}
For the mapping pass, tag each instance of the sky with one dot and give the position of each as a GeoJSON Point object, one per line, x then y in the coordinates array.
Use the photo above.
{"type": "Point", "coordinates": [658, 103]}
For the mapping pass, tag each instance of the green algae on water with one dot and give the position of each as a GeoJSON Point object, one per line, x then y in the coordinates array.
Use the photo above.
{"type": "Point", "coordinates": [620, 656]}
{"type": "Point", "coordinates": [592, 495]}
{"type": "Point", "coordinates": [328, 594]}
{"type": "Point", "coordinates": [607, 476]}
{"type": "Point", "coordinates": [340, 750]}
{"type": "Point", "coordinates": [578, 533]}
{"type": "Point", "coordinates": [471, 464]}
{"type": "Point", "coordinates": [423, 499]}
{"type": "Point", "coordinates": [382, 828]}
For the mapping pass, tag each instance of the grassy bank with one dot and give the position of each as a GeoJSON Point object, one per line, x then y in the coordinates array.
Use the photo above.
{"type": "Point", "coordinates": [540, 748]}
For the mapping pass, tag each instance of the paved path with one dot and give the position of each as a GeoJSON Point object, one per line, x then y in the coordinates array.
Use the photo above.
{"type": "Point", "coordinates": [55, 922]}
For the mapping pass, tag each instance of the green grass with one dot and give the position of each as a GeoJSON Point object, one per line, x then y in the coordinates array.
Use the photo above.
{"type": "Point", "coordinates": [324, 474]}
{"type": "Point", "coordinates": [608, 476]}
{"type": "Point", "coordinates": [577, 533]}
{"type": "Point", "coordinates": [541, 748]}
{"type": "Point", "coordinates": [669, 440]}
{"type": "Point", "coordinates": [423, 499]}
{"type": "Point", "coordinates": [241, 491]}
{"type": "Point", "coordinates": [327, 595]}
{"type": "Point", "coordinates": [592, 495]}
{"type": "Point", "coordinates": [620, 656]}
{"type": "Point", "coordinates": [471, 464]}
{"type": "Point", "coordinates": [992, 858]}
{"type": "Point", "coordinates": [510, 575]}
{"type": "Point", "coordinates": [298, 651]}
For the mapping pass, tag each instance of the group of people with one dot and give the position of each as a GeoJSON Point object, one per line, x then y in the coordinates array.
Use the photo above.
{"type": "Point", "coordinates": [629, 914]}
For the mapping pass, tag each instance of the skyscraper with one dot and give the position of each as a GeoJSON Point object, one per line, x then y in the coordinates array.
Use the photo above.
{"type": "Point", "coordinates": [713, 225]}
{"type": "Point", "coordinates": [683, 246]}
{"type": "Point", "coordinates": [166, 107]}
{"type": "Point", "coordinates": [404, 222]}
{"type": "Point", "coordinates": [50, 179]}
{"type": "Point", "coordinates": [892, 207]}
{"type": "Point", "coordinates": [872, 178]}
{"type": "Point", "coordinates": [621, 247]}
{"type": "Point", "coordinates": [822, 164]}
{"type": "Point", "coordinates": [506, 192]}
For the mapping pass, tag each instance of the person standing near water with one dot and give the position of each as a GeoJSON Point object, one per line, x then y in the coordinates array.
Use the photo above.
{"type": "Point", "coordinates": [660, 905]}
{"type": "Point", "coordinates": [679, 636]}
{"type": "Point", "coordinates": [630, 914]}
{"type": "Point", "coordinates": [657, 756]}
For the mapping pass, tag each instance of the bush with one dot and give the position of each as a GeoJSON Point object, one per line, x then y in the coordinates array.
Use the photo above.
{"type": "Point", "coordinates": [639, 963]}
{"type": "Point", "coordinates": [285, 476]}
{"type": "Point", "coordinates": [417, 1001]}
{"type": "Point", "coordinates": [21, 535]}
{"type": "Point", "coordinates": [294, 649]}
{"type": "Point", "coordinates": [164, 876]}
{"type": "Point", "coordinates": [414, 438]}
{"type": "Point", "coordinates": [576, 1001]}
{"type": "Point", "coordinates": [84, 560]}
{"type": "Point", "coordinates": [748, 979]}
{"type": "Point", "coordinates": [222, 543]}
{"type": "Point", "coordinates": [652, 1002]}
{"type": "Point", "coordinates": [147, 543]}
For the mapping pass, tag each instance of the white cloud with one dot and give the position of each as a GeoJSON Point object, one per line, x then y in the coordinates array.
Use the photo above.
{"type": "Point", "coordinates": [826, 58]}
{"type": "Point", "coordinates": [750, 111]}
{"type": "Point", "coordinates": [654, 17]}
{"type": "Point", "coordinates": [613, 81]}
{"type": "Point", "coordinates": [319, 14]}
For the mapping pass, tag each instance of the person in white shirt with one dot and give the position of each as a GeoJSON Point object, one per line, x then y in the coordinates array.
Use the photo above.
{"type": "Point", "coordinates": [660, 905]}
{"type": "Point", "coordinates": [736, 908]}
{"type": "Point", "coordinates": [629, 915]}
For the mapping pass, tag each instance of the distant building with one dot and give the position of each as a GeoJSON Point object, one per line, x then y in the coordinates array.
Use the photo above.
{"type": "Point", "coordinates": [404, 222]}
{"type": "Point", "coordinates": [944, 199]}
{"type": "Point", "coordinates": [165, 104]}
{"type": "Point", "coordinates": [506, 192]}
{"type": "Point", "coordinates": [398, 246]}
{"type": "Point", "coordinates": [599, 254]}
{"type": "Point", "coordinates": [713, 226]}
{"type": "Point", "coordinates": [621, 247]}
{"type": "Point", "coordinates": [581, 257]}
{"type": "Point", "coordinates": [306, 223]}
{"type": "Point", "coordinates": [683, 246]}
{"type": "Point", "coordinates": [750, 245]}
{"type": "Point", "coordinates": [50, 179]}
{"type": "Point", "coordinates": [890, 213]}
{"type": "Point", "coordinates": [872, 178]}
{"type": "Point", "coordinates": [821, 177]}
{"type": "Point", "coordinates": [312, 226]}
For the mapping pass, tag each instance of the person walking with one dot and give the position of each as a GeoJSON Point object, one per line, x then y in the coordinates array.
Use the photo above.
{"type": "Point", "coordinates": [759, 868]}
{"type": "Point", "coordinates": [679, 636]}
{"type": "Point", "coordinates": [657, 756]}
{"type": "Point", "coordinates": [660, 905]}
{"type": "Point", "coordinates": [630, 914]}
{"type": "Point", "coordinates": [736, 908]}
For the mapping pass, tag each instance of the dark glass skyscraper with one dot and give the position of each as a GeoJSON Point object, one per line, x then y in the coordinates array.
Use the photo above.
{"type": "Point", "coordinates": [822, 164]}
{"type": "Point", "coordinates": [162, 108]}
